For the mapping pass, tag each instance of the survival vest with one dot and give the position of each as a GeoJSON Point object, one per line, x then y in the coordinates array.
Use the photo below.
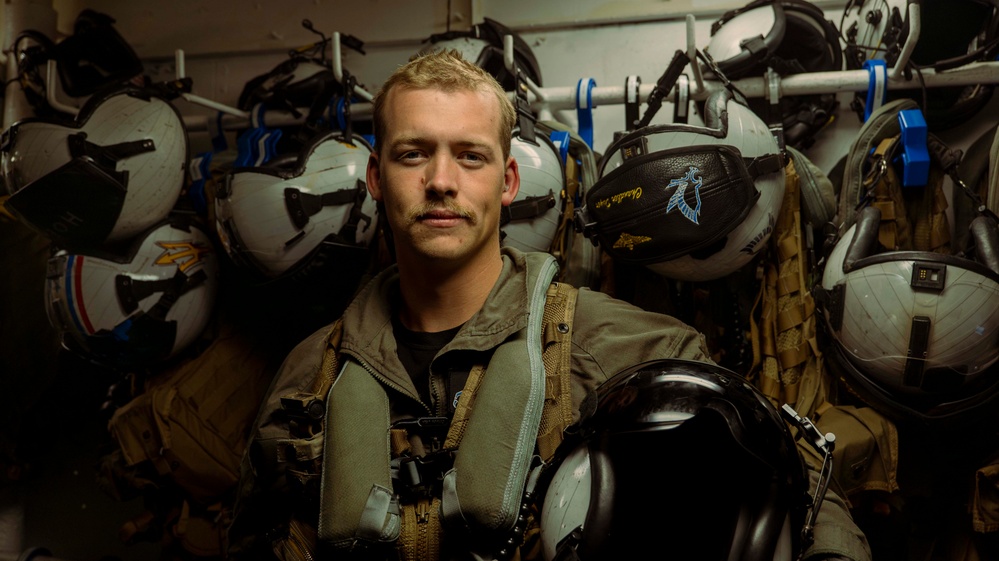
{"type": "Point", "coordinates": [910, 219]}
{"type": "Point", "coordinates": [414, 495]}
{"type": "Point", "coordinates": [787, 363]}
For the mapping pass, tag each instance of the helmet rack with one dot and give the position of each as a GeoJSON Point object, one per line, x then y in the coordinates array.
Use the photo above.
{"type": "Point", "coordinates": [547, 100]}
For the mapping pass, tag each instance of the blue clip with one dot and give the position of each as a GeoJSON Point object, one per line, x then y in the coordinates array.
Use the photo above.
{"type": "Point", "coordinates": [267, 146]}
{"type": "Point", "coordinates": [341, 119]}
{"type": "Point", "coordinates": [561, 141]}
{"type": "Point", "coordinates": [246, 148]}
{"type": "Point", "coordinates": [584, 108]}
{"type": "Point", "coordinates": [249, 148]}
{"type": "Point", "coordinates": [915, 154]}
{"type": "Point", "coordinates": [877, 86]}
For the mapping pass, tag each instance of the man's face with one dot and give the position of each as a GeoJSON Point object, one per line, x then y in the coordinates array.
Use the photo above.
{"type": "Point", "coordinates": [441, 174]}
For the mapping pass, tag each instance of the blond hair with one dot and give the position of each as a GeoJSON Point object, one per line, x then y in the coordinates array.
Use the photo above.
{"type": "Point", "coordinates": [447, 71]}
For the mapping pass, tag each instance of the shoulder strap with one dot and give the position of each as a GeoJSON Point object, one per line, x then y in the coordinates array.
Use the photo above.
{"type": "Point", "coordinates": [556, 414]}
{"type": "Point", "coordinates": [556, 340]}
{"type": "Point", "coordinates": [331, 362]}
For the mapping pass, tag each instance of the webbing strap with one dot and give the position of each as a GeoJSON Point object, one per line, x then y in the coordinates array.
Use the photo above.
{"type": "Point", "coordinates": [930, 230]}
{"type": "Point", "coordinates": [331, 364]}
{"type": "Point", "coordinates": [895, 230]}
{"type": "Point", "coordinates": [556, 414]}
{"type": "Point", "coordinates": [560, 243]}
{"type": "Point", "coordinates": [461, 413]}
{"type": "Point", "coordinates": [784, 339]}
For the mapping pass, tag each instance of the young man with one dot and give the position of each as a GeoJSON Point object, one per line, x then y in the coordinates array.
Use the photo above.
{"type": "Point", "coordinates": [456, 307]}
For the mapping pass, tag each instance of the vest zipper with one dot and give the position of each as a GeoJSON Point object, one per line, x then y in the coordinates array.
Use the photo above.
{"type": "Point", "coordinates": [423, 529]}
{"type": "Point", "coordinates": [298, 545]}
{"type": "Point", "coordinates": [386, 382]}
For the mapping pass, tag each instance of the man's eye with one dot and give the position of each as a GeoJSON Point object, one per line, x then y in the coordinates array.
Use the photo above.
{"type": "Point", "coordinates": [411, 155]}
{"type": "Point", "coordinates": [473, 157]}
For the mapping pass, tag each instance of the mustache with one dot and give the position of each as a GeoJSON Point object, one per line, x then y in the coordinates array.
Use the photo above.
{"type": "Point", "coordinates": [449, 206]}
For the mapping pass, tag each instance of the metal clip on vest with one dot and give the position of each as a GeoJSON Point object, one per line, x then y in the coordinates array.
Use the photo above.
{"type": "Point", "coordinates": [824, 444]}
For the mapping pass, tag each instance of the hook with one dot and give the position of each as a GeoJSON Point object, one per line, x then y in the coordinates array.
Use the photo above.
{"type": "Point", "coordinates": [910, 42]}
{"type": "Point", "coordinates": [338, 69]}
{"type": "Point", "coordinates": [544, 113]}
{"type": "Point", "coordinates": [50, 90]}
{"type": "Point", "coordinates": [692, 52]}
{"type": "Point", "coordinates": [179, 70]}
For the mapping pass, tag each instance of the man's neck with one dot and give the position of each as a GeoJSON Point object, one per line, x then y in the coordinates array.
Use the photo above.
{"type": "Point", "coordinates": [437, 298]}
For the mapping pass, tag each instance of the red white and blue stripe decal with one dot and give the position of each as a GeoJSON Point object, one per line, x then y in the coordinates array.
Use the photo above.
{"type": "Point", "coordinates": [74, 294]}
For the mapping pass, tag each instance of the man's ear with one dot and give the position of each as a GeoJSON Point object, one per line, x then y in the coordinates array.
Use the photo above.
{"type": "Point", "coordinates": [373, 177]}
{"type": "Point", "coordinates": [511, 181]}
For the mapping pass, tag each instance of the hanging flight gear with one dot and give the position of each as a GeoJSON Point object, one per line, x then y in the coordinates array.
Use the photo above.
{"type": "Point", "coordinates": [269, 223]}
{"type": "Point", "coordinates": [579, 260]}
{"type": "Point", "coordinates": [725, 182]}
{"type": "Point", "coordinates": [304, 81]}
{"type": "Point", "coordinates": [977, 169]}
{"type": "Point", "coordinates": [139, 307]}
{"type": "Point", "coordinates": [705, 419]}
{"type": "Point", "coordinates": [532, 219]}
{"type": "Point", "coordinates": [797, 38]}
{"type": "Point", "coordinates": [952, 33]}
{"type": "Point", "coordinates": [530, 222]}
{"type": "Point", "coordinates": [102, 178]}
{"type": "Point", "coordinates": [190, 421]}
{"type": "Point", "coordinates": [787, 362]}
{"type": "Point", "coordinates": [482, 45]}
{"type": "Point", "coordinates": [94, 56]}
{"type": "Point", "coordinates": [912, 325]}
{"type": "Point", "coordinates": [185, 432]}
{"type": "Point", "coordinates": [288, 439]}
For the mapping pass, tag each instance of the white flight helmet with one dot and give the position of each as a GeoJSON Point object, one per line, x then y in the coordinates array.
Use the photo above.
{"type": "Point", "coordinates": [531, 221]}
{"type": "Point", "coordinates": [914, 333]}
{"type": "Point", "coordinates": [106, 176]}
{"type": "Point", "coordinates": [482, 45]}
{"type": "Point", "coordinates": [144, 306]}
{"type": "Point", "coordinates": [651, 468]}
{"type": "Point", "coordinates": [277, 219]}
{"type": "Point", "coordinates": [952, 33]}
{"type": "Point", "coordinates": [691, 203]}
{"type": "Point", "coordinates": [790, 36]}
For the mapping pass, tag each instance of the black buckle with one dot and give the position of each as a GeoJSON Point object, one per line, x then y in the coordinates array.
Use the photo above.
{"type": "Point", "coordinates": [421, 476]}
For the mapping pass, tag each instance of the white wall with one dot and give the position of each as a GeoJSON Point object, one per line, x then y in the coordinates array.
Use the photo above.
{"type": "Point", "coordinates": [227, 42]}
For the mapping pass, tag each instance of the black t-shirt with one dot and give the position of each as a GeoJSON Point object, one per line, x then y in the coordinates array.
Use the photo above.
{"type": "Point", "coordinates": [416, 350]}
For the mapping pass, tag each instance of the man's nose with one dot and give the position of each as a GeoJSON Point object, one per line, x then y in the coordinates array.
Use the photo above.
{"type": "Point", "coordinates": [442, 176]}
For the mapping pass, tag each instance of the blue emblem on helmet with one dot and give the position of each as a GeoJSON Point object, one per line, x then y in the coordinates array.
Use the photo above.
{"type": "Point", "coordinates": [676, 199]}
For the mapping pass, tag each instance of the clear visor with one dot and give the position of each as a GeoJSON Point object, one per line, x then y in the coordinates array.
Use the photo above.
{"type": "Point", "coordinates": [940, 336]}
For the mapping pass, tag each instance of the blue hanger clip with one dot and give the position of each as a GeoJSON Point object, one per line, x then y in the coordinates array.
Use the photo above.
{"type": "Point", "coordinates": [915, 154]}
{"type": "Point", "coordinates": [584, 108]}
{"type": "Point", "coordinates": [561, 141]}
{"type": "Point", "coordinates": [877, 87]}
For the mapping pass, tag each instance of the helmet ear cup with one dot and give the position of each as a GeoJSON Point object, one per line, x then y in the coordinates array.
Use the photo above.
{"type": "Point", "coordinates": [716, 110]}
{"type": "Point", "coordinates": [865, 237]}
{"type": "Point", "coordinates": [600, 515]}
{"type": "Point", "coordinates": [986, 238]}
